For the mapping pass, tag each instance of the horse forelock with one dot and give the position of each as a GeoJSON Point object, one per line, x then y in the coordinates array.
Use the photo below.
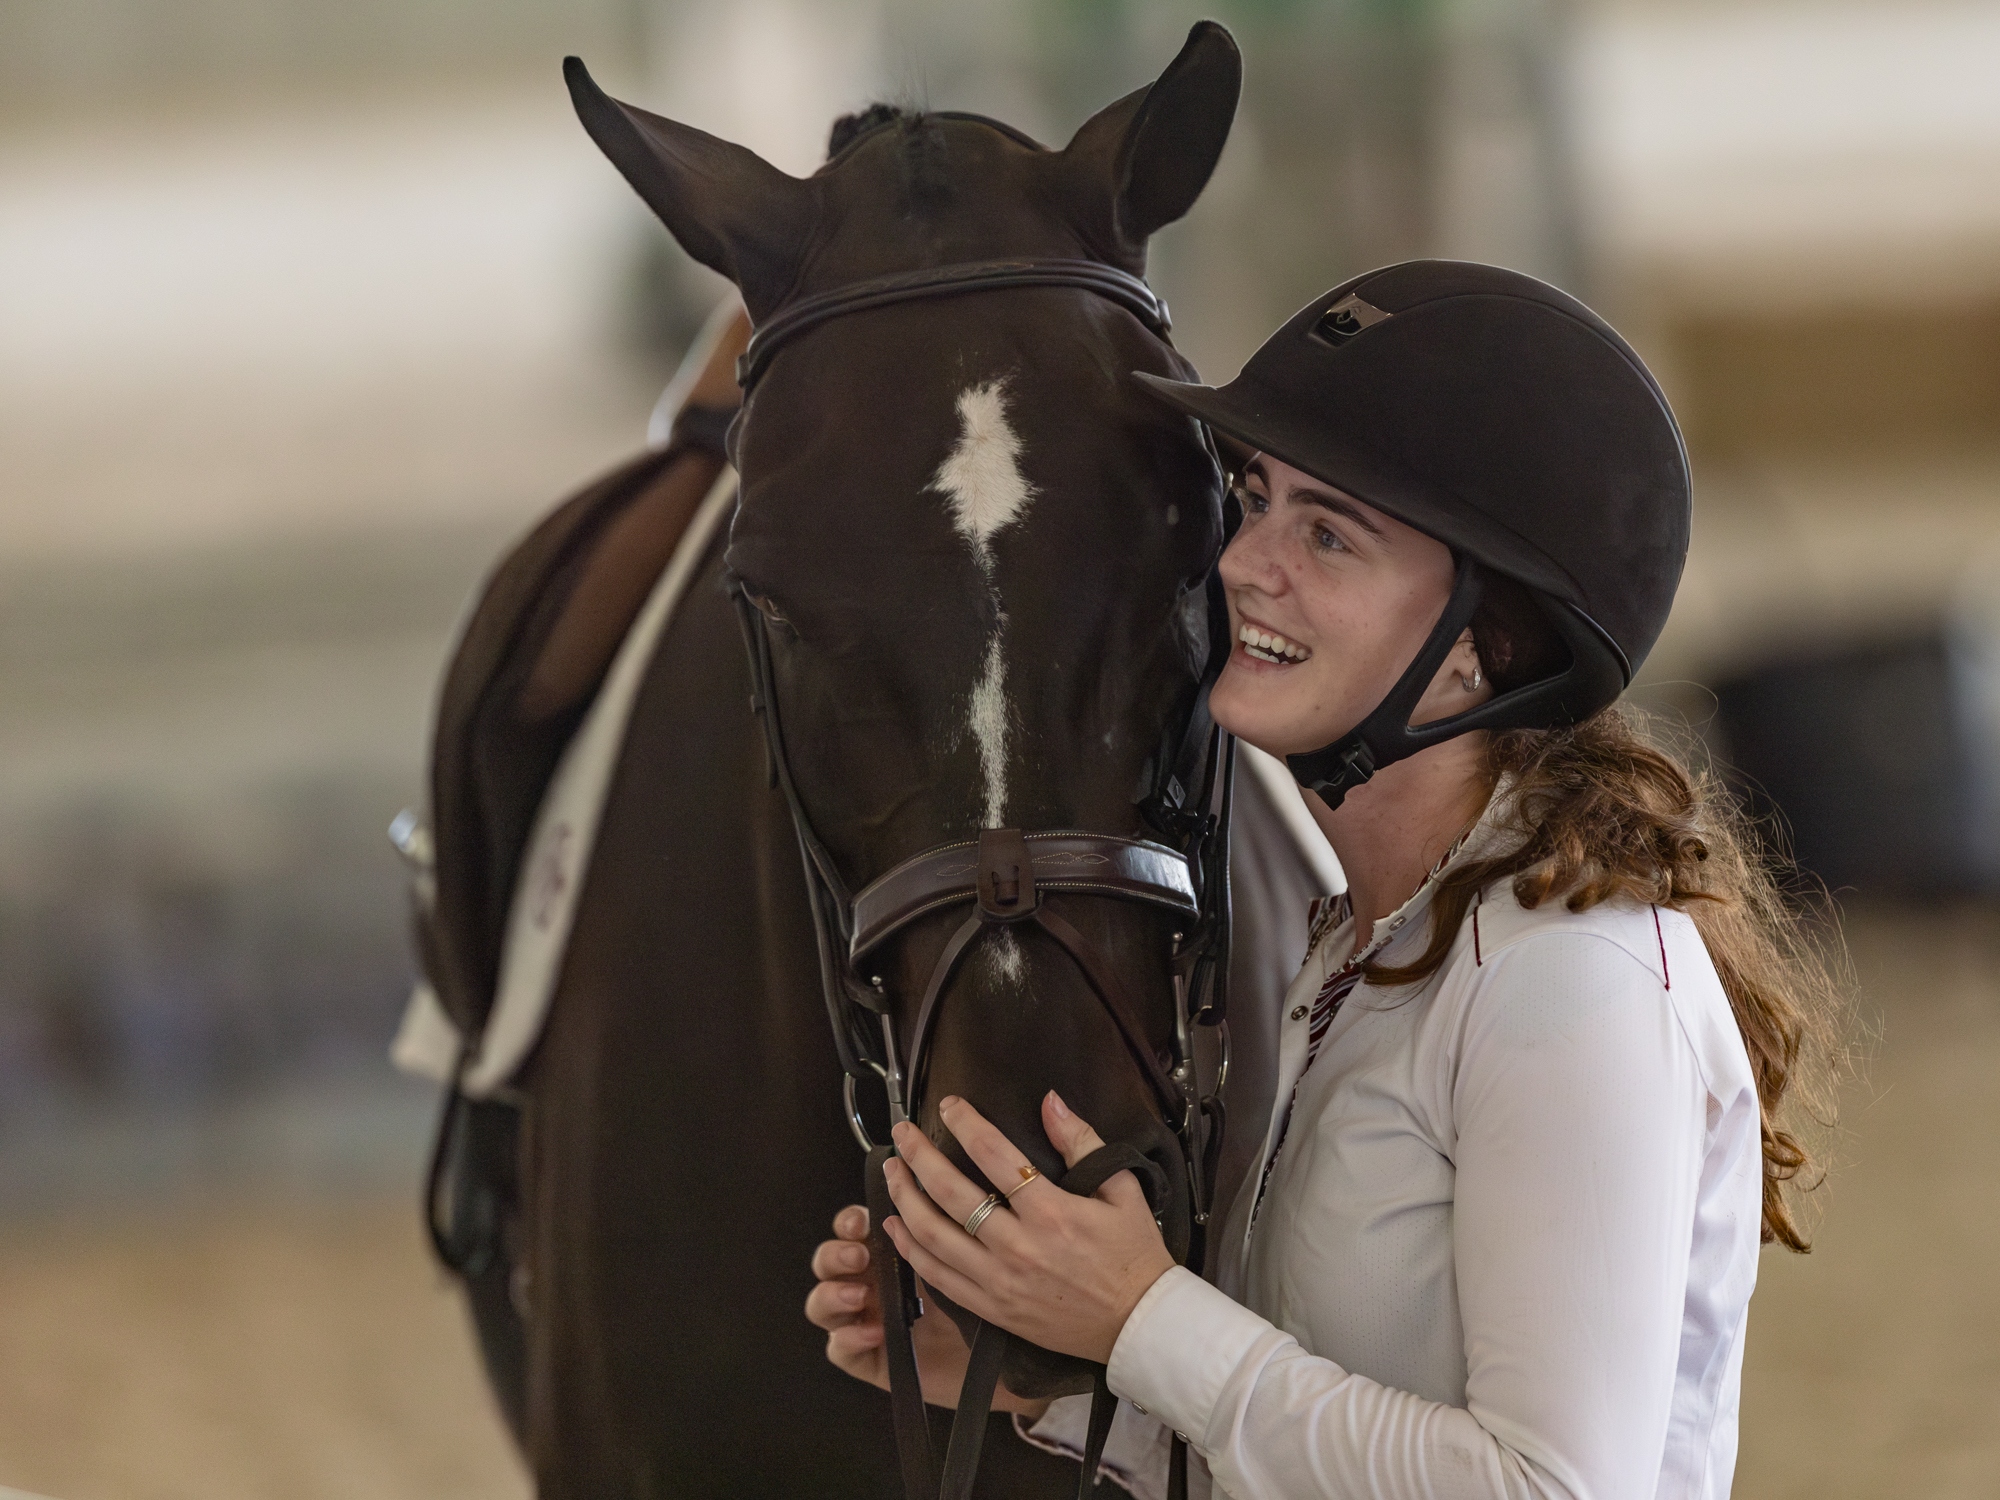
{"type": "Point", "coordinates": [849, 130]}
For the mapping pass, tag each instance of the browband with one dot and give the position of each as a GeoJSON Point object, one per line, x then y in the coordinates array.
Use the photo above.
{"type": "Point", "coordinates": [796, 318]}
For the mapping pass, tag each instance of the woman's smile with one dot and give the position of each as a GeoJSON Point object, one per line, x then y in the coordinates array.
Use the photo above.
{"type": "Point", "coordinates": [1263, 644]}
{"type": "Point", "coordinates": [1314, 570]}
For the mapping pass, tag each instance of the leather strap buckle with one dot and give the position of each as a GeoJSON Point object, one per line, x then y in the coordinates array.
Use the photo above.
{"type": "Point", "coordinates": [1006, 876]}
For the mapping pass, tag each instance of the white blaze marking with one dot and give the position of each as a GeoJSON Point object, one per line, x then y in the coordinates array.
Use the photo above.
{"type": "Point", "coordinates": [982, 475]}
{"type": "Point", "coordinates": [1005, 955]}
{"type": "Point", "coordinates": [982, 479]}
{"type": "Point", "coordinates": [987, 715]}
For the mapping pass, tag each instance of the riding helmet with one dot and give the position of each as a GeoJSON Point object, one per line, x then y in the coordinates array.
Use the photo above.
{"type": "Point", "coordinates": [1506, 419]}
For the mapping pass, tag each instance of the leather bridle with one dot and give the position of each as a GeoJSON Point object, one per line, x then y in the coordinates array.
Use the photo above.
{"type": "Point", "coordinates": [1006, 878]}
{"type": "Point", "coordinates": [933, 282]}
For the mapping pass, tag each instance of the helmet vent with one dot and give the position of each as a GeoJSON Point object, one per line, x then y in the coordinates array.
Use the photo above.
{"type": "Point", "coordinates": [1347, 317]}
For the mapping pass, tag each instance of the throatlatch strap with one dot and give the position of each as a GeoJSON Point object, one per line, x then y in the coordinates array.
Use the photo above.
{"type": "Point", "coordinates": [897, 1291]}
{"type": "Point", "coordinates": [975, 1403]}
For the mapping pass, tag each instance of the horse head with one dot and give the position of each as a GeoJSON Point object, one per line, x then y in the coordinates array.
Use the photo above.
{"type": "Point", "coordinates": [979, 557]}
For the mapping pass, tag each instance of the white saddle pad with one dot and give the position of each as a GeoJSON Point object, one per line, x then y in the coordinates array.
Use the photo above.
{"type": "Point", "coordinates": [543, 908]}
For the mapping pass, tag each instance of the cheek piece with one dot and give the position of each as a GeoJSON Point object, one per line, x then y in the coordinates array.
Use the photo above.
{"type": "Point", "coordinates": [1595, 675]}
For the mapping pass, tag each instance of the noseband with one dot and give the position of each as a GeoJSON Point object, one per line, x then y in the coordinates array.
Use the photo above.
{"type": "Point", "coordinates": [1006, 878]}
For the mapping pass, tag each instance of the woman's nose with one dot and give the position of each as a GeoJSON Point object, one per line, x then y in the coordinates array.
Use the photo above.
{"type": "Point", "coordinates": [1251, 560]}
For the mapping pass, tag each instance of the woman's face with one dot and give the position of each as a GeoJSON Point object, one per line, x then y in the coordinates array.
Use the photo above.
{"type": "Point", "coordinates": [1329, 602]}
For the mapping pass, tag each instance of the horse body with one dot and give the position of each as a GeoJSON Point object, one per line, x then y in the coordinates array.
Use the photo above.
{"type": "Point", "coordinates": [981, 560]}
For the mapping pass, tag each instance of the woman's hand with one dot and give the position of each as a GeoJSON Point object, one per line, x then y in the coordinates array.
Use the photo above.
{"type": "Point", "coordinates": [1060, 1270]}
{"type": "Point", "coordinates": [845, 1303]}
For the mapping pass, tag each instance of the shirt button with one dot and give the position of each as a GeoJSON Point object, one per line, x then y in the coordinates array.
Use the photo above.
{"type": "Point", "coordinates": [1140, 1409]}
{"type": "Point", "coordinates": [1298, 1012]}
{"type": "Point", "coordinates": [1398, 923]}
{"type": "Point", "coordinates": [1182, 1436]}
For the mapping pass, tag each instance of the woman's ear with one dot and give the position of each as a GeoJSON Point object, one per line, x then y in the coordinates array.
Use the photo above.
{"type": "Point", "coordinates": [1460, 683]}
{"type": "Point", "coordinates": [1464, 663]}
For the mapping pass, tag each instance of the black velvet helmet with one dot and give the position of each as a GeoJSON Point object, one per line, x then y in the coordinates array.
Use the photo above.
{"type": "Point", "coordinates": [1506, 419]}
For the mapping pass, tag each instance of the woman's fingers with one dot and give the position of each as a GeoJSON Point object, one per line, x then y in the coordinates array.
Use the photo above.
{"type": "Point", "coordinates": [851, 1223]}
{"type": "Point", "coordinates": [950, 1189]}
{"type": "Point", "coordinates": [851, 1341]}
{"type": "Point", "coordinates": [844, 1302]}
{"type": "Point", "coordinates": [844, 1296]}
{"type": "Point", "coordinates": [835, 1304]}
{"type": "Point", "coordinates": [935, 1271]}
{"type": "Point", "coordinates": [836, 1258]}
{"type": "Point", "coordinates": [944, 1237]}
{"type": "Point", "coordinates": [1070, 1134]}
{"type": "Point", "coordinates": [858, 1349]}
{"type": "Point", "coordinates": [999, 1158]}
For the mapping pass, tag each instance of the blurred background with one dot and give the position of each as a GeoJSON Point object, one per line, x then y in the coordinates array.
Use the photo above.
{"type": "Point", "coordinates": [307, 308]}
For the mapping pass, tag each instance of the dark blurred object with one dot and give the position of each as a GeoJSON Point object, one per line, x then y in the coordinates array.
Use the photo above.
{"type": "Point", "coordinates": [1879, 758]}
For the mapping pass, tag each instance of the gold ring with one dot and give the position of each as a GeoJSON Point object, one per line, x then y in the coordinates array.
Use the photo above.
{"type": "Point", "coordinates": [1028, 1175]}
{"type": "Point", "coordinates": [980, 1214]}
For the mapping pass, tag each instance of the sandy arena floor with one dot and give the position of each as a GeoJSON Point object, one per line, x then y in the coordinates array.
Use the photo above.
{"type": "Point", "coordinates": [309, 1352]}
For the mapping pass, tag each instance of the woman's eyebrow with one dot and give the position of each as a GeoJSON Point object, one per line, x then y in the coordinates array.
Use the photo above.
{"type": "Point", "coordinates": [1340, 505]}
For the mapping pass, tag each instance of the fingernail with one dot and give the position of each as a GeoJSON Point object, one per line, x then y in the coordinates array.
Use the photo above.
{"type": "Point", "coordinates": [901, 1128]}
{"type": "Point", "coordinates": [853, 1296]}
{"type": "Point", "coordinates": [950, 1101]}
{"type": "Point", "coordinates": [855, 1259]}
{"type": "Point", "coordinates": [1061, 1109]}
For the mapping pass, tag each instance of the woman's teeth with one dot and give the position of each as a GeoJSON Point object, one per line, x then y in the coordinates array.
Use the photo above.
{"type": "Point", "coordinates": [1266, 646]}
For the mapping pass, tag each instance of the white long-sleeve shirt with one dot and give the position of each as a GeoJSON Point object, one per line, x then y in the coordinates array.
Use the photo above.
{"type": "Point", "coordinates": [1507, 1248]}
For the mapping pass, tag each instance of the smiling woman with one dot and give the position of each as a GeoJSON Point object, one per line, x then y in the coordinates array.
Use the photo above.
{"type": "Point", "coordinates": [1527, 1133]}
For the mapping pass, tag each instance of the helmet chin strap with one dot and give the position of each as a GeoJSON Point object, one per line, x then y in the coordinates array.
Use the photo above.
{"type": "Point", "coordinates": [1595, 674]}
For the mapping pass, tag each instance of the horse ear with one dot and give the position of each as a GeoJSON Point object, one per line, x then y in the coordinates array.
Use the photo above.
{"type": "Point", "coordinates": [729, 208]}
{"type": "Point", "coordinates": [1157, 146]}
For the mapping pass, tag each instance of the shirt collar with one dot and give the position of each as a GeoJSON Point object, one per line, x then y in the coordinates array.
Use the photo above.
{"type": "Point", "coordinates": [1479, 840]}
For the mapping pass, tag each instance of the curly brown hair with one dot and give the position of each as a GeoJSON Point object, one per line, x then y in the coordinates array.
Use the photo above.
{"type": "Point", "coordinates": [1601, 813]}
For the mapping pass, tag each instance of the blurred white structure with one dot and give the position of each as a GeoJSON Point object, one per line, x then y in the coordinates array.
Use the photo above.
{"type": "Point", "coordinates": [1794, 210]}
{"type": "Point", "coordinates": [1782, 155]}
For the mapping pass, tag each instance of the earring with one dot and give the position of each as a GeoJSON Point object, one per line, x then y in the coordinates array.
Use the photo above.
{"type": "Point", "coordinates": [1472, 684]}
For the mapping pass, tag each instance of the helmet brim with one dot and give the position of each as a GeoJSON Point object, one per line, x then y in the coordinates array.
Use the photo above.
{"type": "Point", "coordinates": [1241, 411]}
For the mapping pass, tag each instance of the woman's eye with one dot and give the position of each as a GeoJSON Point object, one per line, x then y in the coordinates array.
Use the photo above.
{"type": "Point", "coordinates": [1327, 539]}
{"type": "Point", "coordinates": [1253, 503]}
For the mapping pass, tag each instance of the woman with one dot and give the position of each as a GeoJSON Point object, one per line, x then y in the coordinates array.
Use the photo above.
{"type": "Point", "coordinates": [1505, 1231]}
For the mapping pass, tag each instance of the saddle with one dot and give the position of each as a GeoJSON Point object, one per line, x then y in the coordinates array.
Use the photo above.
{"type": "Point", "coordinates": [490, 768]}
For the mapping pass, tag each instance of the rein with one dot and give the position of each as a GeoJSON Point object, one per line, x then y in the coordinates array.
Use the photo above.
{"type": "Point", "coordinates": [1007, 876]}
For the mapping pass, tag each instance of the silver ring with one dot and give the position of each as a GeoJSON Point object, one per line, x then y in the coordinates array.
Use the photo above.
{"type": "Point", "coordinates": [980, 1214]}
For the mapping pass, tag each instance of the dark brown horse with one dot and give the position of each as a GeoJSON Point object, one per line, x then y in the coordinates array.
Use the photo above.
{"type": "Point", "coordinates": [981, 560]}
